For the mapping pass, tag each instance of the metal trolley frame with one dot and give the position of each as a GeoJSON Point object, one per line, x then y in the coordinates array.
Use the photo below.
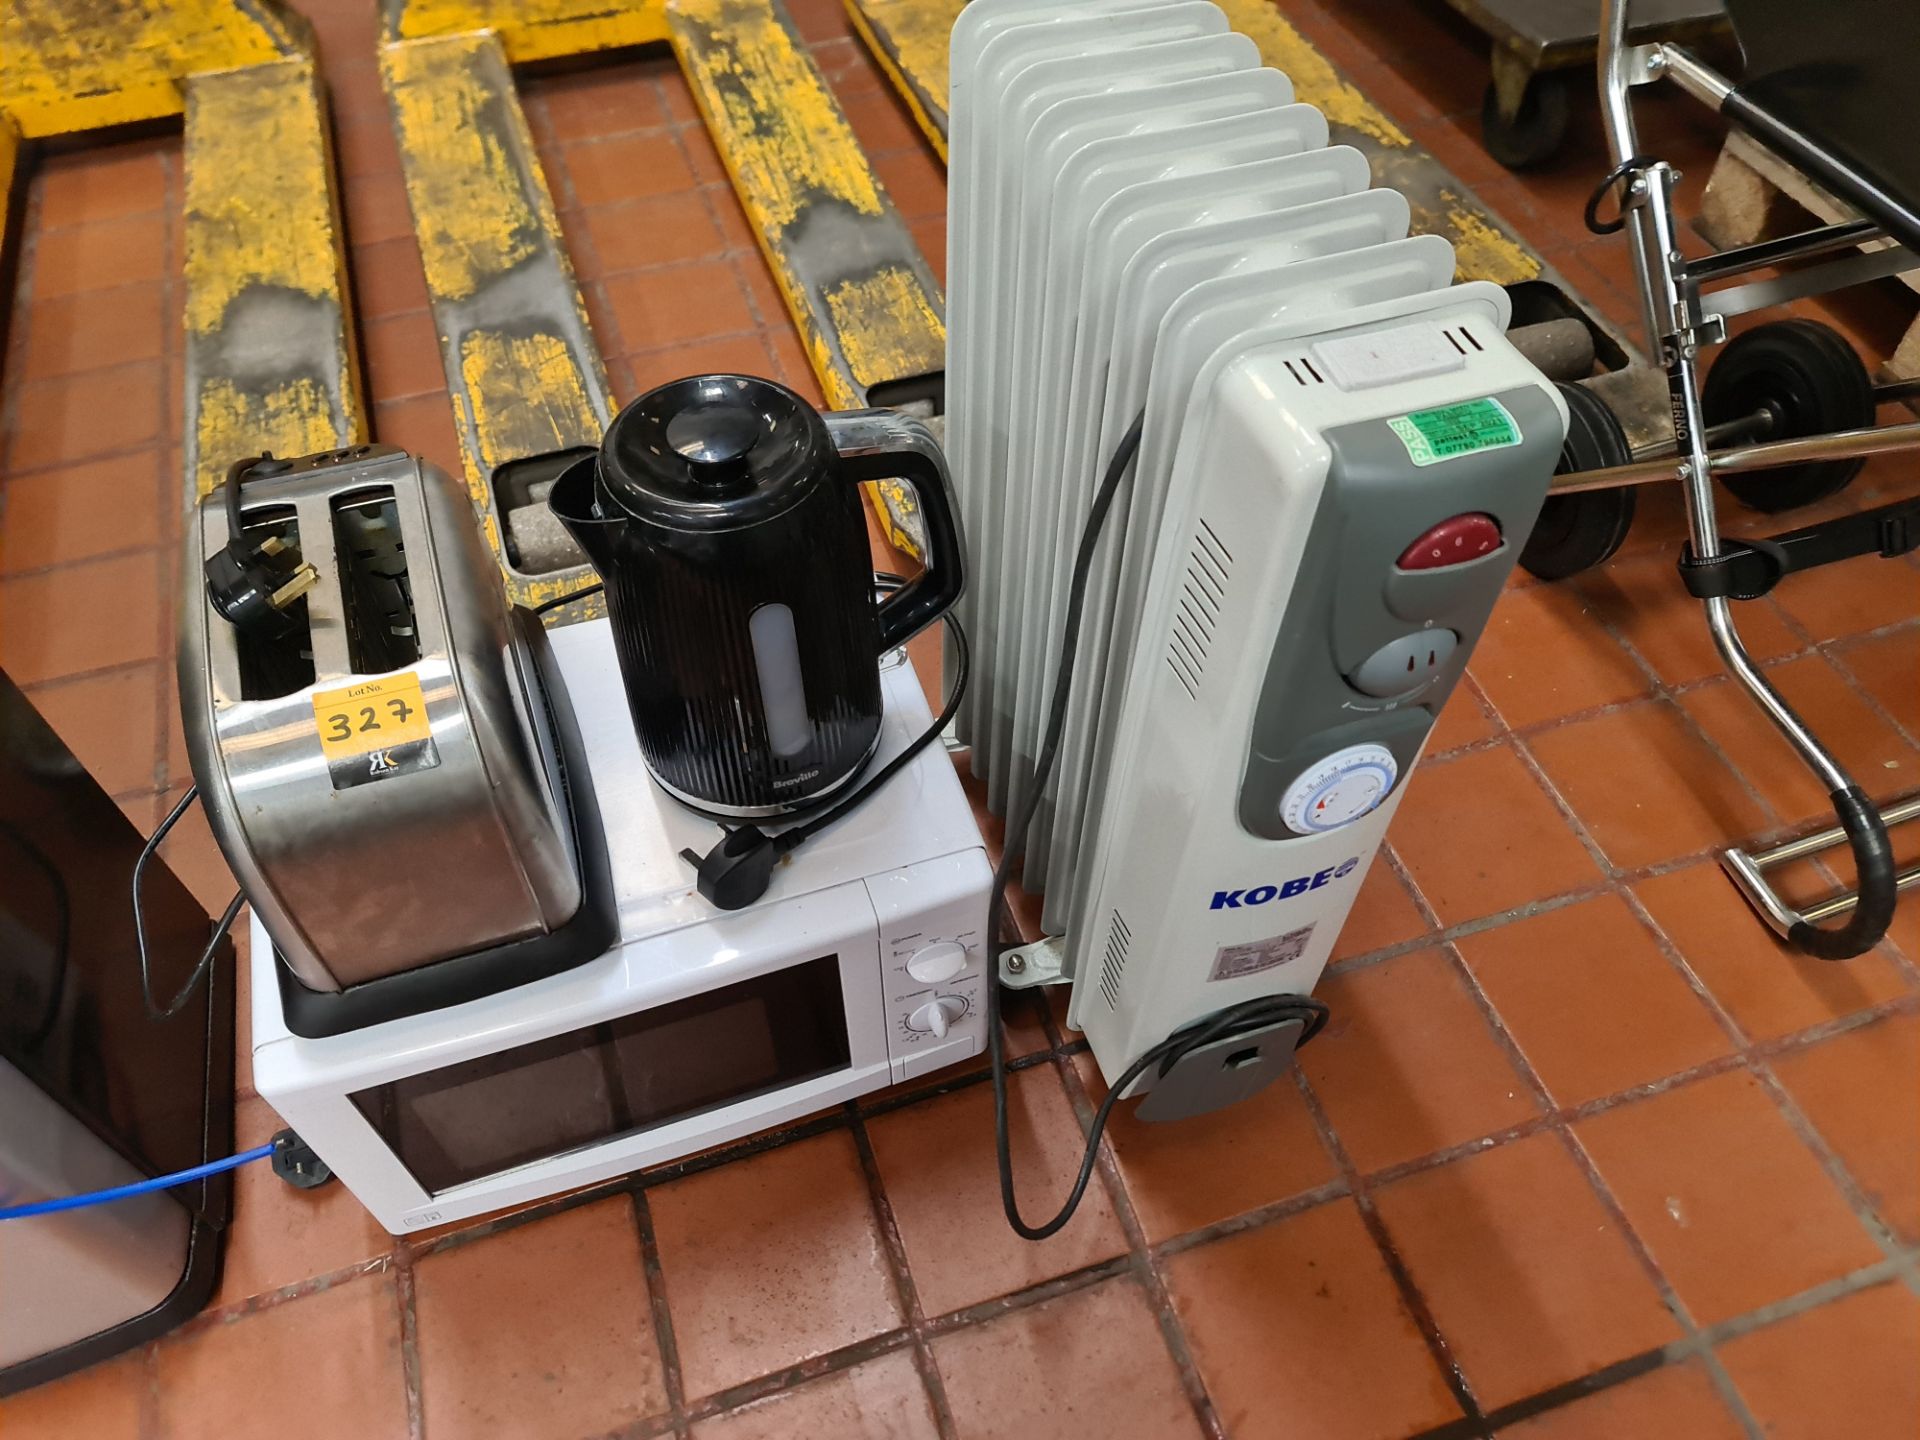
{"type": "Point", "coordinates": [1685, 305]}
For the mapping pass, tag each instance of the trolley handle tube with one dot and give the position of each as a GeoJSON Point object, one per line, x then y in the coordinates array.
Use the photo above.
{"type": "Point", "coordinates": [1616, 108]}
{"type": "Point", "coordinates": [1878, 886]}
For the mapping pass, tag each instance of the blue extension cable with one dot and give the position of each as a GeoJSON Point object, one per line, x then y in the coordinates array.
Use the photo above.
{"type": "Point", "coordinates": [122, 1192]}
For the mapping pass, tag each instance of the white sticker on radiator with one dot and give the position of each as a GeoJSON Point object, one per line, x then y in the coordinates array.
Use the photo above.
{"type": "Point", "coordinates": [1233, 962]}
{"type": "Point", "coordinates": [1386, 357]}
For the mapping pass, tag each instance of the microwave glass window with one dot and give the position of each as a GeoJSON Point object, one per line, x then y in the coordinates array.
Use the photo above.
{"type": "Point", "coordinates": [539, 1100]}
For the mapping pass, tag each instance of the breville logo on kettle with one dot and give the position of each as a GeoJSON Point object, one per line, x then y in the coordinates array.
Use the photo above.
{"type": "Point", "coordinates": [724, 516]}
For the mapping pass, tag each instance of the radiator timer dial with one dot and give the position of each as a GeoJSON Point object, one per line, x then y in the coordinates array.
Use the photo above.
{"type": "Point", "coordinates": [1339, 789]}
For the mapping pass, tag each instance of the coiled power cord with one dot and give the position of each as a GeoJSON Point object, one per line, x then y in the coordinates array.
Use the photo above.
{"type": "Point", "coordinates": [1235, 1020]}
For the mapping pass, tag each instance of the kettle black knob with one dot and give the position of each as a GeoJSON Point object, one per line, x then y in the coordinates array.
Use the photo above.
{"type": "Point", "coordinates": [711, 453]}
{"type": "Point", "coordinates": [715, 441]}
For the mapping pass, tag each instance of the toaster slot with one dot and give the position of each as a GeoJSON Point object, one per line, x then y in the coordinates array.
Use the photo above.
{"type": "Point", "coordinates": [272, 665]}
{"type": "Point", "coordinates": [375, 591]}
{"type": "Point", "coordinates": [536, 542]}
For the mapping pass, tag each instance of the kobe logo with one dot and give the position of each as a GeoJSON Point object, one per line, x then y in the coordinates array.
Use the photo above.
{"type": "Point", "coordinates": [1286, 890]}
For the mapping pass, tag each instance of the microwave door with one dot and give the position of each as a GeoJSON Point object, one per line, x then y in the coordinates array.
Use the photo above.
{"type": "Point", "coordinates": [681, 1042]}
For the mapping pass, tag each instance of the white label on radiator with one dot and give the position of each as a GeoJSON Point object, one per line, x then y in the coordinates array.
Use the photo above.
{"type": "Point", "coordinates": [1233, 962]}
{"type": "Point", "coordinates": [1384, 357]}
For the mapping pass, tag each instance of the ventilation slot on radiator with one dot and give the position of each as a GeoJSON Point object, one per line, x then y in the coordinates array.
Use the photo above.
{"type": "Point", "coordinates": [1202, 594]}
{"type": "Point", "coordinates": [1114, 963]}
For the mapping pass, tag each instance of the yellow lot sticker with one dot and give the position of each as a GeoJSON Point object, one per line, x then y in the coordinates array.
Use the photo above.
{"type": "Point", "coordinates": [371, 715]}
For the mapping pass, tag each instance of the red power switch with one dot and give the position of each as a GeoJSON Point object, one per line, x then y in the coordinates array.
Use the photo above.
{"type": "Point", "coordinates": [1453, 542]}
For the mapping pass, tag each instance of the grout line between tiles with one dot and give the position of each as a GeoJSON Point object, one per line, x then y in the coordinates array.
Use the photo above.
{"type": "Point", "coordinates": [1617, 875]}
{"type": "Point", "coordinates": [1835, 653]}
{"type": "Point", "coordinates": [130, 452]}
{"type": "Point", "coordinates": [404, 1295]}
{"type": "Point", "coordinates": [895, 1248]}
{"type": "Point", "coordinates": [216, 1315]}
{"type": "Point", "coordinates": [665, 1343]}
{"type": "Point", "coordinates": [147, 1424]}
{"type": "Point", "coordinates": [1754, 1056]}
{"type": "Point", "coordinates": [1723, 1384]}
{"type": "Point", "coordinates": [1072, 1282]}
{"type": "Point", "coordinates": [1255, 1219]}
{"type": "Point", "coordinates": [1883, 1233]}
{"type": "Point", "coordinates": [1659, 686]}
{"type": "Point", "coordinates": [1677, 1352]}
{"type": "Point", "coordinates": [157, 548]}
{"type": "Point", "coordinates": [1556, 1122]}
{"type": "Point", "coordinates": [814, 1368]}
{"type": "Point", "coordinates": [1411, 1297]}
{"type": "Point", "coordinates": [1143, 1262]}
{"type": "Point", "coordinates": [1059, 1285]}
{"type": "Point", "coordinates": [1867, 1277]}
{"type": "Point", "coordinates": [1747, 1056]}
{"type": "Point", "coordinates": [938, 1085]}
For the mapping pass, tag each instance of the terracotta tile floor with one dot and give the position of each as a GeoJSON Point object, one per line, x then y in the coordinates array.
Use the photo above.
{"type": "Point", "coordinates": [1583, 1153]}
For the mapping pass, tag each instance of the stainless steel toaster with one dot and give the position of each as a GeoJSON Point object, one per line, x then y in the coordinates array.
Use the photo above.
{"type": "Point", "coordinates": [390, 766]}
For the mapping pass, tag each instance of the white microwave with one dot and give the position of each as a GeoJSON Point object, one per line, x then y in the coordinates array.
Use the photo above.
{"type": "Point", "coordinates": [862, 966]}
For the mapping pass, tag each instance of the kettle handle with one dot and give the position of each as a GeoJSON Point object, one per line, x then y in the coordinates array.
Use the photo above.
{"type": "Point", "coordinates": [886, 445]}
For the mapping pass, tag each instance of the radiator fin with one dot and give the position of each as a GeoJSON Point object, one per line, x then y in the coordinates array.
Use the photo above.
{"type": "Point", "coordinates": [1118, 171]}
{"type": "Point", "coordinates": [1113, 963]}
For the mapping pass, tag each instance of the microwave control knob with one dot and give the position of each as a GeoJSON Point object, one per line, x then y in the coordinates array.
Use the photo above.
{"type": "Point", "coordinates": [933, 964]}
{"type": "Point", "coordinates": [937, 1014]}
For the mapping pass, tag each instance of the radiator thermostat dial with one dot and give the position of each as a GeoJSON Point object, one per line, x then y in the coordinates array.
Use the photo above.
{"type": "Point", "coordinates": [1339, 789]}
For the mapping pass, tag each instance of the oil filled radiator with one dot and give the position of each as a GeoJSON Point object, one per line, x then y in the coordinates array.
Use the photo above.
{"type": "Point", "coordinates": [1341, 457]}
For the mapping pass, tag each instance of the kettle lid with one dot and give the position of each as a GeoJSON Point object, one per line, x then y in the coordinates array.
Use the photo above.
{"type": "Point", "coordinates": [713, 452]}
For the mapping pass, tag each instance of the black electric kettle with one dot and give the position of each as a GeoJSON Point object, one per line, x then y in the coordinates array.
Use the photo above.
{"type": "Point", "coordinates": [723, 513]}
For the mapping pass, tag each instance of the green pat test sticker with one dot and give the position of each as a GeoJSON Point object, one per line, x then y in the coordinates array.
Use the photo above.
{"type": "Point", "coordinates": [1450, 431]}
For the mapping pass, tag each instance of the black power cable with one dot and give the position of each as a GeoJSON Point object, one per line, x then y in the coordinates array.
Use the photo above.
{"type": "Point", "coordinates": [32, 1036]}
{"type": "Point", "coordinates": [585, 592]}
{"type": "Point", "coordinates": [1257, 1014]}
{"type": "Point", "coordinates": [221, 927]}
{"type": "Point", "coordinates": [797, 835]}
{"type": "Point", "coordinates": [734, 873]}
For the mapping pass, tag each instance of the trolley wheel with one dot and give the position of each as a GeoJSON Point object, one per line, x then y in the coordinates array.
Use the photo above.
{"type": "Point", "coordinates": [1536, 132]}
{"type": "Point", "coordinates": [1813, 382]}
{"type": "Point", "coordinates": [1579, 531]}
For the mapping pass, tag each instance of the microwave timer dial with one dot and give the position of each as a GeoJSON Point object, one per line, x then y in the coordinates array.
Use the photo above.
{"type": "Point", "coordinates": [937, 1015]}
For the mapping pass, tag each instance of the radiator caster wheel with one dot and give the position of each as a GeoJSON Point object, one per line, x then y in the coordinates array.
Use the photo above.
{"type": "Point", "coordinates": [1537, 130]}
{"type": "Point", "coordinates": [1579, 531]}
{"type": "Point", "coordinates": [1810, 380]}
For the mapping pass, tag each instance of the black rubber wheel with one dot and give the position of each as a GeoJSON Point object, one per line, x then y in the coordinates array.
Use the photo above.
{"type": "Point", "coordinates": [1535, 135]}
{"type": "Point", "coordinates": [1813, 382]}
{"type": "Point", "coordinates": [1579, 531]}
